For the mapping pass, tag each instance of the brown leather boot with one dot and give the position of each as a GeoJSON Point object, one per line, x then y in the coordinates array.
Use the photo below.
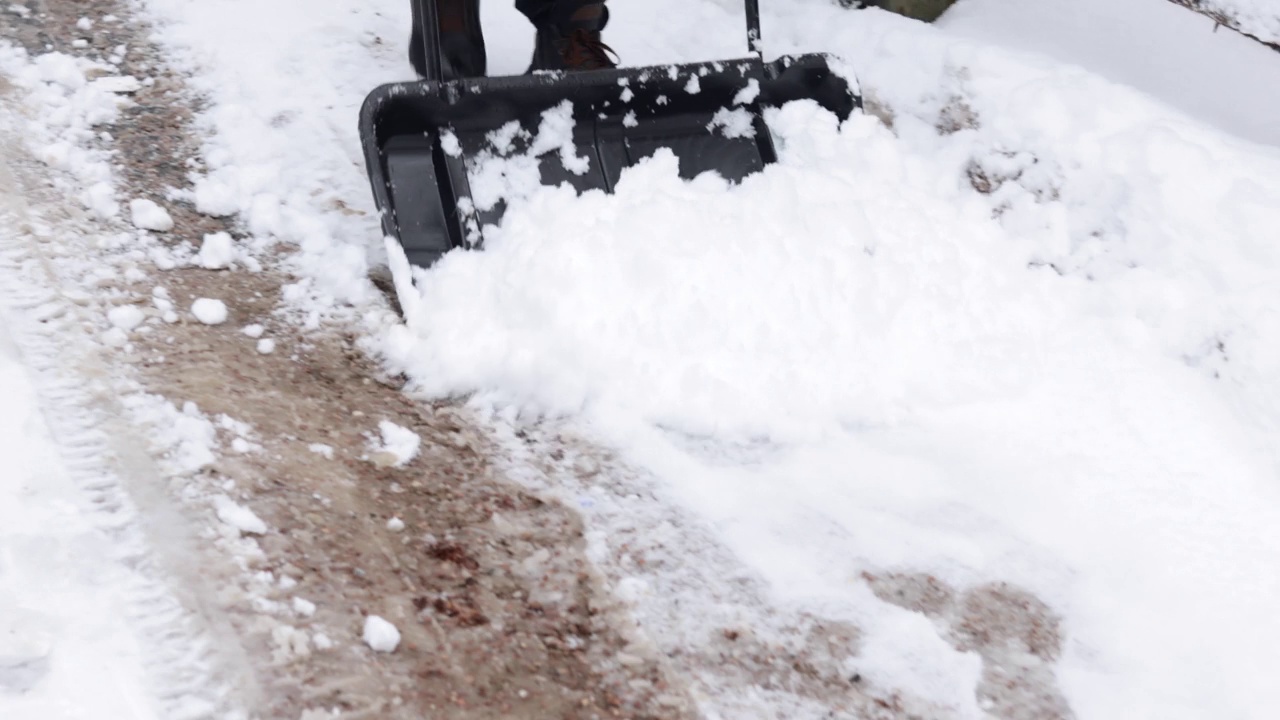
{"type": "Point", "coordinates": [462, 52]}
{"type": "Point", "coordinates": [569, 37]}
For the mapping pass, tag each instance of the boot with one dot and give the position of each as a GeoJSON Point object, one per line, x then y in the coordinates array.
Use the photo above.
{"type": "Point", "coordinates": [461, 40]}
{"type": "Point", "coordinates": [569, 37]}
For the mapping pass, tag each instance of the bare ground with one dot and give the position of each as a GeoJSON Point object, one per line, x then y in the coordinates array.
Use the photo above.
{"type": "Point", "coordinates": [502, 613]}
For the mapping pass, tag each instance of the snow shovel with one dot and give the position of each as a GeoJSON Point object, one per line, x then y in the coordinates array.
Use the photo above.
{"type": "Point", "coordinates": [430, 146]}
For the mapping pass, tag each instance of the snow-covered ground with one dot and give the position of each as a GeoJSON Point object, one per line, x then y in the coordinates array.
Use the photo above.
{"type": "Point", "coordinates": [89, 626]}
{"type": "Point", "coordinates": [1037, 346]}
{"type": "Point", "coordinates": [1153, 46]}
{"type": "Point", "coordinates": [1259, 18]}
{"type": "Point", "coordinates": [66, 648]}
{"type": "Point", "coordinates": [85, 630]}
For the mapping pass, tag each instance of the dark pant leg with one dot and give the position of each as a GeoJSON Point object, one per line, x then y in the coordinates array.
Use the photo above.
{"type": "Point", "coordinates": [462, 51]}
{"type": "Point", "coordinates": [533, 8]}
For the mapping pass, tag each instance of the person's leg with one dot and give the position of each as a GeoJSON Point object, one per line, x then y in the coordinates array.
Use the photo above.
{"type": "Point", "coordinates": [461, 40]}
{"type": "Point", "coordinates": [568, 34]}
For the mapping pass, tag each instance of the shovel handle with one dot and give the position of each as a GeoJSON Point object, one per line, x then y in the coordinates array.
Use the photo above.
{"type": "Point", "coordinates": [753, 28]}
{"type": "Point", "coordinates": [430, 17]}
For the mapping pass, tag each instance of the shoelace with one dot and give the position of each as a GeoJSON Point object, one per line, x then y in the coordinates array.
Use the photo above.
{"type": "Point", "coordinates": [584, 50]}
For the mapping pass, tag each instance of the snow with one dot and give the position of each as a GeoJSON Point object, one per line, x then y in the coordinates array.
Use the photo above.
{"type": "Point", "coordinates": [209, 311]}
{"type": "Point", "coordinates": [1064, 378]}
{"type": "Point", "coordinates": [126, 317]}
{"type": "Point", "coordinates": [380, 635]}
{"type": "Point", "coordinates": [304, 607]}
{"type": "Point", "coordinates": [734, 123]}
{"type": "Point", "coordinates": [216, 252]}
{"type": "Point", "coordinates": [88, 624]}
{"type": "Point", "coordinates": [395, 525]}
{"type": "Point", "coordinates": [856, 361]}
{"type": "Point", "coordinates": [399, 445]}
{"type": "Point", "coordinates": [748, 94]}
{"type": "Point", "coordinates": [63, 599]}
{"type": "Point", "coordinates": [238, 516]}
{"type": "Point", "coordinates": [1143, 43]}
{"type": "Point", "coordinates": [147, 215]}
{"type": "Point", "coordinates": [1260, 18]}
{"type": "Point", "coordinates": [266, 346]}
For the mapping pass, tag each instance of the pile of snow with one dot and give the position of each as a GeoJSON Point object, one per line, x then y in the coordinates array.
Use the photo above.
{"type": "Point", "coordinates": [1051, 382]}
{"type": "Point", "coordinates": [69, 107]}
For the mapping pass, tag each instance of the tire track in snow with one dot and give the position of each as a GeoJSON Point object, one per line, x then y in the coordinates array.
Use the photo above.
{"type": "Point", "coordinates": [79, 408]}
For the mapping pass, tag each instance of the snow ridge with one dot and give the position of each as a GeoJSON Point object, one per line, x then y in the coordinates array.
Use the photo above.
{"type": "Point", "coordinates": [175, 648]}
{"type": "Point", "coordinates": [47, 320]}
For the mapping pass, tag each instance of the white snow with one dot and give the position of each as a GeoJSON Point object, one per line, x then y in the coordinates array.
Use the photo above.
{"type": "Point", "coordinates": [304, 607]}
{"type": "Point", "coordinates": [254, 331]}
{"type": "Point", "coordinates": [399, 443]}
{"type": "Point", "coordinates": [119, 84]}
{"type": "Point", "coordinates": [1064, 379]}
{"type": "Point", "coordinates": [209, 311]}
{"type": "Point", "coordinates": [1154, 45]}
{"type": "Point", "coordinates": [147, 215]}
{"type": "Point", "coordinates": [216, 251]}
{"type": "Point", "coordinates": [856, 361]}
{"type": "Point", "coordinates": [748, 94]}
{"type": "Point", "coordinates": [266, 346]}
{"type": "Point", "coordinates": [380, 635]}
{"type": "Point", "coordinates": [66, 647]}
{"type": "Point", "coordinates": [734, 123]}
{"type": "Point", "coordinates": [395, 524]}
{"type": "Point", "coordinates": [1260, 18]}
{"type": "Point", "coordinates": [238, 516]}
{"type": "Point", "coordinates": [215, 199]}
{"type": "Point", "coordinates": [555, 132]}
{"type": "Point", "coordinates": [126, 317]}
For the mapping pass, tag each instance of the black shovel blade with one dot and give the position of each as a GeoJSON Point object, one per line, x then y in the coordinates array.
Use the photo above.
{"type": "Point", "coordinates": [426, 143]}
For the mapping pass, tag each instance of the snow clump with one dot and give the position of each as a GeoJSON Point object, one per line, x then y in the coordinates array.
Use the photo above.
{"type": "Point", "coordinates": [399, 445]}
{"type": "Point", "coordinates": [216, 252]}
{"type": "Point", "coordinates": [239, 517]}
{"type": "Point", "coordinates": [126, 317]}
{"type": "Point", "coordinates": [147, 215]}
{"type": "Point", "coordinates": [380, 635]}
{"type": "Point", "coordinates": [209, 311]}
